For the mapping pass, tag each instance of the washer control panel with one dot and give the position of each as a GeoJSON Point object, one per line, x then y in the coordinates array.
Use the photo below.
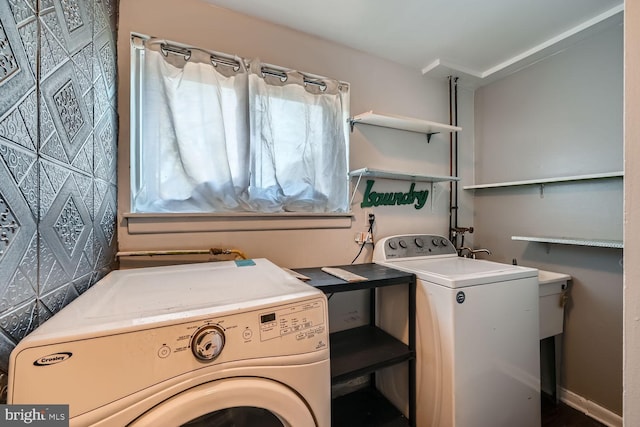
{"type": "Point", "coordinates": [413, 245]}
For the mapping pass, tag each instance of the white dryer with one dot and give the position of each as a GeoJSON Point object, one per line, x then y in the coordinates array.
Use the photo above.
{"type": "Point", "coordinates": [477, 339]}
{"type": "Point", "coordinates": [226, 344]}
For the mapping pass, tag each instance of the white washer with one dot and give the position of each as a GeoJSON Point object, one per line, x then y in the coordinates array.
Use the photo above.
{"type": "Point", "coordinates": [222, 343]}
{"type": "Point", "coordinates": [477, 335]}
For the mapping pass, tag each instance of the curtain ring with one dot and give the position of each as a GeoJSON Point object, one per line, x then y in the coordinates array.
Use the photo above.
{"type": "Point", "coordinates": [215, 63]}
{"type": "Point", "coordinates": [281, 75]}
{"type": "Point", "coordinates": [163, 49]}
{"type": "Point", "coordinates": [321, 85]}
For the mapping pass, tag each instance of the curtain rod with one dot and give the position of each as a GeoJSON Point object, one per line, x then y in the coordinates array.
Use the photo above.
{"type": "Point", "coordinates": [137, 41]}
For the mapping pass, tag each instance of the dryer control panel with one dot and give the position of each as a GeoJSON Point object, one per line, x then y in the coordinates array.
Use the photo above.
{"type": "Point", "coordinates": [276, 330]}
{"type": "Point", "coordinates": [413, 245]}
{"type": "Point", "coordinates": [303, 321]}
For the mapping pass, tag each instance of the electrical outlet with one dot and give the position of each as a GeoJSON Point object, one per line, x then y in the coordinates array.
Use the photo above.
{"type": "Point", "coordinates": [363, 237]}
{"type": "Point", "coordinates": [367, 213]}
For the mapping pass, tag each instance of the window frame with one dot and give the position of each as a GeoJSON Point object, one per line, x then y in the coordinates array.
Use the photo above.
{"type": "Point", "coordinates": [169, 222]}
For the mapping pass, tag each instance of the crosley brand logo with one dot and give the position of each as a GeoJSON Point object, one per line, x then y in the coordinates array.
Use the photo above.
{"type": "Point", "coordinates": [52, 359]}
{"type": "Point", "coordinates": [371, 198]}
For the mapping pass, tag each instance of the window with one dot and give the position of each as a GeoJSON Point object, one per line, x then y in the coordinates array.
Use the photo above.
{"type": "Point", "coordinates": [212, 133]}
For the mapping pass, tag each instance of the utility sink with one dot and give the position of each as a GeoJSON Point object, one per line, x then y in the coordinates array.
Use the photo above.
{"type": "Point", "coordinates": [553, 287]}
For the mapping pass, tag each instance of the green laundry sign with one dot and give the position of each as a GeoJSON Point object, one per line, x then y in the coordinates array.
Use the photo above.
{"type": "Point", "coordinates": [372, 198]}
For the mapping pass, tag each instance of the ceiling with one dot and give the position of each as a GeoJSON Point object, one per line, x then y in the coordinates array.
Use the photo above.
{"type": "Point", "coordinates": [477, 40]}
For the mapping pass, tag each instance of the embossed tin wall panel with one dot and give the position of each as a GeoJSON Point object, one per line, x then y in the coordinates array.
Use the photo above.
{"type": "Point", "coordinates": [104, 227]}
{"type": "Point", "coordinates": [6, 345]}
{"type": "Point", "coordinates": [20, 320]}
{"type": "Point", "coordinates": [64, 228]}
{"type": "Point", "coordinates": [17, 76]}
{"type": "Point", "coordinates": [18, 174]}
{"type": "Point", "coordinates": [57, 157]}
{"type": "Point", "coordinates": [18, 246]}
{"type": "Point", "coordinates": [105, 147]}
{"type": "Point", "coordinates": [67, 108]}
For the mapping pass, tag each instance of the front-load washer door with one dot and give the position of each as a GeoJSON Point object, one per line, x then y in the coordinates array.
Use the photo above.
{"type": "Point", "coordinates": [238, 402]}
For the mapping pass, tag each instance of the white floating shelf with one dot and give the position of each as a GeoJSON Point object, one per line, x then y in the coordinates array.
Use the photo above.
{"type": "Point", "coordinates": [542, 181]}
{"type": "Point", "coordinates": [600, 243]}
{"type": "Point", "coordinates": [403, 176]}
{"type": "Point", "coordinates": [402, 123]}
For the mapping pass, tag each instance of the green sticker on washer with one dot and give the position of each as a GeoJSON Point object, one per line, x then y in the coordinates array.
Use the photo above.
{"type": "Point", "coordinates": [245, 262]}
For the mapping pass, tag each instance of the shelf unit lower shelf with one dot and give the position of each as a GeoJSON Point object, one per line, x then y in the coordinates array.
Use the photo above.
{"type": "Point", "coordinates": [362, 350]}
{"type": "Point", "coordinates": [366, 408]}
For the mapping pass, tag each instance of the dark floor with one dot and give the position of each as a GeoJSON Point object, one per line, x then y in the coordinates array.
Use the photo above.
{"type": "Point", "coordinates": [562, 415]}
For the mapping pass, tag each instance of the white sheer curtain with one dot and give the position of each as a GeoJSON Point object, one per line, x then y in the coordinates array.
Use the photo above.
{"type": "Point", "coordinates": [217, 138]}
{"type": "Point", "coordinates": [194, 145]}
{"type": "Point", "coordinates": [298, 143]}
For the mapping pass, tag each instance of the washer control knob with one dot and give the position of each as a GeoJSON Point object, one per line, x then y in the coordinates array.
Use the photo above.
{"type": "Point", "coordinates": [443, 242]}
{"type": "Point", "coordinates": [419, 243]}
{"type": "Point", "coordinates": [435, 242]}
{"type": "Point", "coordinates": [402, 244]}
{"type": "Point", "coordinates": [207, 343]}
{"type": "Point", "coordinates": [393, 245]}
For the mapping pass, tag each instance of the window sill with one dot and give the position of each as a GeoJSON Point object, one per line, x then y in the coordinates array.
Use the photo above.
{"type": "Point", "coordinates": [160, 223]}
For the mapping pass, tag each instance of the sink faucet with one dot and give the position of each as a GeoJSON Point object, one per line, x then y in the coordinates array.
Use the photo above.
{"type": "Point", "coordinates": [464, 248]}
{"type": "Point", "coordinates": [471, 253]}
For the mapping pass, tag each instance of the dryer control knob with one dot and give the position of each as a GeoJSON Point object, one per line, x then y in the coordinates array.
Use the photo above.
{"type": "Point", "coordinates": [419, 243]}
{"type": "Point", "coordinates": [207, 343]}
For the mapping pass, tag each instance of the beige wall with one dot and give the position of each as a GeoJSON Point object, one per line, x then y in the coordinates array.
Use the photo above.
{"type": "Point", "coordinates": [562, 117]}
{"type": "Point", "coordinates": [376, 84]}
{"type": "Point", "coordinates": [632, 215]}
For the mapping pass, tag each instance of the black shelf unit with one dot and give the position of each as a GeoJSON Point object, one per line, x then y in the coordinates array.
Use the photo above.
{"type": "Point", "coordinates": [365, 349]}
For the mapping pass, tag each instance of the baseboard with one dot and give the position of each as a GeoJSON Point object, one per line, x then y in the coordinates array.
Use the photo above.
{"type": "Point", "coordinates": [590, 408]}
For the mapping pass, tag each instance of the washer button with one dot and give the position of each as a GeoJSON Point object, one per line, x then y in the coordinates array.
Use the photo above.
{"type": "Point", "coordinates": [164, 352]}
{"type": "Point", "coordinates": [247, 334]}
